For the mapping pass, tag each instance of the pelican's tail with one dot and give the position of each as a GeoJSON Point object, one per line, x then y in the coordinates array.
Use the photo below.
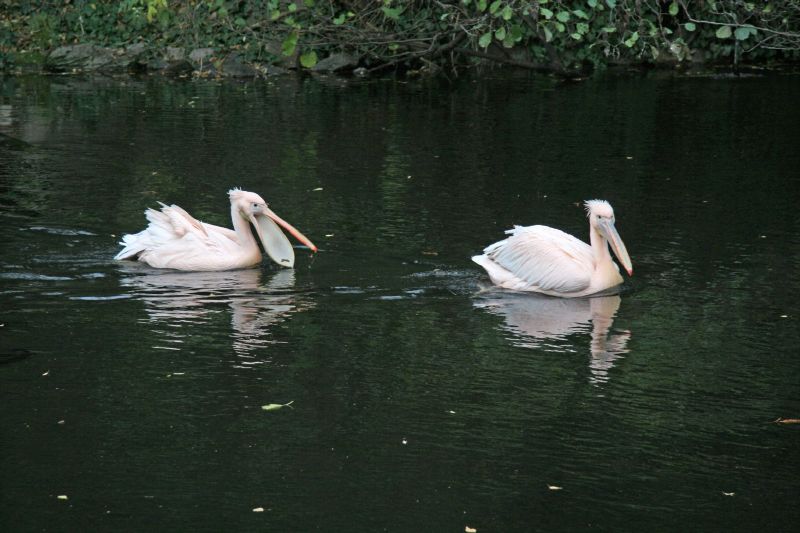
{"type": "Point", "coordinates": [159, 231]}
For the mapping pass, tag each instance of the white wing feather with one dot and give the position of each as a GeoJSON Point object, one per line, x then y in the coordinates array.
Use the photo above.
{"type": "Point", "coordinates": [539, 258]}
{"type": "Point", "coordinates": [174, 235]}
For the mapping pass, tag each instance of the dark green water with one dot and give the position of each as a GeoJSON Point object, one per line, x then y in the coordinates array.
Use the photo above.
{"type": "Point", "coordinates": [420, 401]}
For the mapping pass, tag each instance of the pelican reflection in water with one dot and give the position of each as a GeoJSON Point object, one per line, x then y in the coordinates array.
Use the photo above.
{"type": "Point", "coordinates": [547, 323]}
{"type": "Point", "coordinates": [180, 298]}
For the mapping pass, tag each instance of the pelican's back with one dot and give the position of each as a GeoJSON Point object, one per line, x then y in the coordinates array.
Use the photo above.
{"type": "Point", "coordinates": [540, 259]}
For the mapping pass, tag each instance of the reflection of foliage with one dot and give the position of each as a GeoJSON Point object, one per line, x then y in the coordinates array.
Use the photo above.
{"type": "Point", "coordinates": [551, 34]}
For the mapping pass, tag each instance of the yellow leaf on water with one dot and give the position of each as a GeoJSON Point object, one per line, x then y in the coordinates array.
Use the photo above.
{"type": "Point", "coordinates": [554, 487]}
{"type": "Point", "coordinates": [468, 529]}
{"type": "Point", "coordinates": [258, 510]}
{"type": "Point", "coordinates": [275, 406]}
{"type": "Point", "coordinates": [62, 497]}
{"type": "Point", "coordinates": [781, 420]}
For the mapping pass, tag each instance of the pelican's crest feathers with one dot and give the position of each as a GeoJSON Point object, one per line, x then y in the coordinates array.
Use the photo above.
{"type": "Point", "coordinates": [598, 207]}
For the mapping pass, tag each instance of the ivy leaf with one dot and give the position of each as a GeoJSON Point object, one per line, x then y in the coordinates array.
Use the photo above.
{"type": "Point", "coordinates": [546, 13]}
{"type": "Point", "coordinates": [581, 14]}
{"type": "Point", "coordinates": [289, 44]}
{"type": "Point", "coordinates": [485, 40]}
{"type": "Point", "coordinates": [723, 32]}
{"type": "Point", "coordinates": [500, 34]}
{"type": "Point", "coordinates": [689, 26]}
{"type": "Point", "coordinates": [481, 5]}
{"type": "Point", "coordinates": [338, 21]}
{"type": "Point", "coordinates": [742, 33]}
{"type": "Point", "coordinates": [392, 13]}
{"type": "Point", "coordinates": [673, 8]}
{"type": "Point", "coordinates": [630, 41]}
{"type": "Point", "coordinates": [576, 36]}
{"type": "Point", "coordinates": [507, 13]}
{"type": "Point", "coordinates": [516, 33]}
{"type": "Point", "coordinates": [562, 16]}
{"type": "Point", "coordinates": [609, 29]}
{"type": "Point", "coordinates": [592, 3]}
{"type": "Point", "coordinates": [611, 3]}
{"type": "Point", "coordinates": [582, 28]}
{"type": "Point", "coordinates": [240, 22]}
{"type": "Point", "coordinates": [495, 6]}
{"type": "Point", "coordinates": [548, 35]}
{"type": "Point", "coordinates": [308, 59]}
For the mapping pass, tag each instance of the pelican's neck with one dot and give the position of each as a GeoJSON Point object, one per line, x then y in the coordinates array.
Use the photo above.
{"type": "Point", "coordinates": [242, 228]}
{"type": "Point", "coordinates": [599, 247]}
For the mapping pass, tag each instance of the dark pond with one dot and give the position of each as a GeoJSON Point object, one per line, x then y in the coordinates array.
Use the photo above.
{"type": "Point", "coordinates": [421, 401]}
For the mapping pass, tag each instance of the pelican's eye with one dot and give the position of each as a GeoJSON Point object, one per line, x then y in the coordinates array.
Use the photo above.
{"type": "Point", "coordinates": [255, 205]}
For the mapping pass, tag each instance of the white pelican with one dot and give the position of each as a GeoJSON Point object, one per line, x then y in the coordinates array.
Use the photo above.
{"type": "Point", "coordinates": [175, 239]}
{"type": "Point", "coordinates": [549, 261]}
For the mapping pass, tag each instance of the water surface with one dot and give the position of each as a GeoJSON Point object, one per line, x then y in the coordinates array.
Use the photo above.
{"type": "Point", "coordinates": [422, 400]}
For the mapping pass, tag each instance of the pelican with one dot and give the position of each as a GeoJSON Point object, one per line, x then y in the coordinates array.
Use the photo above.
{"type": "Point", "coordinates": [549, 261]}
{"type": "Point", "coordinates": [175, 239]}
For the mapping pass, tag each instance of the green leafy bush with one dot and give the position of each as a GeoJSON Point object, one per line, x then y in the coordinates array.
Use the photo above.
{"type": "Point", "coordinates": [561, 35]}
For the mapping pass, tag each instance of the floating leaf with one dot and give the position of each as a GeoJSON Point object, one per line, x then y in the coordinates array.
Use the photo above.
{"type": "Point", "coordinates": [468, 529]}
{"type": "Point", "coordinates": [276, 406]}
{"type": "Point", "coordinates": [258, 510]}
{"type": "Point", "coordinates": [554, 487]}
{"type": "Point", "coordinates": [724, 32]}
{"type": "Point", "coordinates": [62, 497]}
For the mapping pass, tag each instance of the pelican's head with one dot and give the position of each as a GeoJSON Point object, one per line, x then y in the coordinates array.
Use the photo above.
{"type": "Point", "coordinates": [601, 218]}
{"type": "Point", "coordinates": [254, 209]}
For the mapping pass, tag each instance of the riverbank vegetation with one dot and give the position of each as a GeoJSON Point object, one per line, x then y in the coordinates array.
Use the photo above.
{"type": "Point", "coordinates": [564, 36]}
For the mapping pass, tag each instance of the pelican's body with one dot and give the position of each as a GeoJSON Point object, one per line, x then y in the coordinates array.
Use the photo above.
{"type": "Point", "coordinates": [549, 261]}
{"type": "Point", "coordinates": [174, 239]}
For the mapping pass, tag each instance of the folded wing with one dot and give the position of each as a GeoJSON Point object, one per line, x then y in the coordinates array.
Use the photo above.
{"type": "Point", "coordinates": [539, 258]}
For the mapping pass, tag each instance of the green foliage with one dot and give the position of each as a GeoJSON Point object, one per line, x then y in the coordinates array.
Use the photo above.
{"type": "Point", "coordinates": [559, 34]}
